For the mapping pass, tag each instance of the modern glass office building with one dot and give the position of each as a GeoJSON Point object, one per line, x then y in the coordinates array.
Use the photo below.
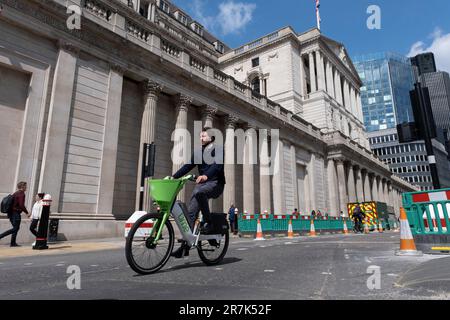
{"type": "Point", "coordinates": [388, 78]}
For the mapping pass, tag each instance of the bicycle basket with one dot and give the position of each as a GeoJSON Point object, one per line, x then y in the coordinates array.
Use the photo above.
{"type": "Point", "coordinates": [164, 192]}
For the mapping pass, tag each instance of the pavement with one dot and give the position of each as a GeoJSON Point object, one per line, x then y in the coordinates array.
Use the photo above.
{"type": "Point", "coordinates": [329, 267]}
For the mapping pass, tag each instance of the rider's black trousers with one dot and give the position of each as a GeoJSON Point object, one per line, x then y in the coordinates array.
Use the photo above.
{"type": "Point", "coordinates": [200, 196]}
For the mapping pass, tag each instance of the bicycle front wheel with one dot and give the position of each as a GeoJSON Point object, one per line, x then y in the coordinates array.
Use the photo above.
{"type": "Point", "coordinates": [144, 255]}
{"type": "Point", "coordinates": [212, 252]}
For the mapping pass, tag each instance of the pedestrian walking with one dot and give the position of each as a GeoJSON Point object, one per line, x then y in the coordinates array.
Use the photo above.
{"type": "Point", "coordinates": [231, 217]}
{"type": "Point", "coordinates": [36, 213]}
{"type": "Point", "coordinates": [14, 216]}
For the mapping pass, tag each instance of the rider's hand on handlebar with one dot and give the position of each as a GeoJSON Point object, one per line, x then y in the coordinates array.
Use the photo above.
{"type": "Point", "coordinates": [201, 179]}
{"type": "Point", "coordinates": [168, 178]}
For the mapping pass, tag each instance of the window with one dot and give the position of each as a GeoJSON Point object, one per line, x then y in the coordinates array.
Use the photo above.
{"type": "Point", "coordinates": [164, 6]}
{"type": "Point", "coordinates": [198, 29]}
{"type": "Point", "coordinates": [256, 85]}
{"type": "Point", "coordinates": [219, 46]}
{"type": "Point", "coordinates": [255, 62]}
{"type": "Point", "coordinates": [181, 17]}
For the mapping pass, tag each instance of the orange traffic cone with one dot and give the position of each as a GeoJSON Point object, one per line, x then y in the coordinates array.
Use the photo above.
{"type": "Point", "coordinates": [290, 231]}
{"type": "Point", "coordinates": [312, 232]}
{"type": "Point", "coordinates": [345, 227]}
{"type": "Point", "coordinates": [407, 245]}
{"type": "Point", "coordinates": [366, 227]}
{"type": "Point", "coordinates": [259, 234]}
{"type": "Point", "coordinates": [380, 227]}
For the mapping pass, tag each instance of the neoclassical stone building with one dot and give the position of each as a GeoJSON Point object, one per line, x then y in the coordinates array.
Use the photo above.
{"type": "Point", "coordinates": [77, 105]}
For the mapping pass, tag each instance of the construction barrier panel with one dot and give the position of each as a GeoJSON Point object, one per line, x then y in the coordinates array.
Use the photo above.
{"type": "Point", "coordinates": [277, 225]}
{"type": "Point", "coordinates": [428, 217]}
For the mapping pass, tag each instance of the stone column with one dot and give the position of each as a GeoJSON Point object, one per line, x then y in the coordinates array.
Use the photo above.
{"type": "Point", "coordinates": [208, 114]}
{"type": "Point", "coordinates": [248, 169]}
{"type": "Point", "coordinates": [353, 102]}
{"type": "Point", "coordinates": [110, 142]}
{"type": "Point", "coordinates": [386, 192]}
{"type": "Point", "coordinates": [320, 71]}
{"type": "Point", "coordinates": [347, 102]}
{"type": "Point", "coordinates": [330, 80]}
{"type": "Point", "coordinates": [374, 188]}
{"type": "Point", "coordinates": [302, 79]}
{"type": "Point", "coordinates": [277, 179]}
{"type": "Point", "coordinates": [343, 198]}
{"type": "Point", "coordinates": [294, 175]}
{"type": "Point", "coordinates": [359, 106]}
{"type": "Point", "coordinates": [380, 190]}
{"type": "Point", "coordinates": [229, 194]}
{"type": "Point", "coordinates": [312, 73]}
{"type": "Point", "coordinates": [391, 195]}
{"type": "Point", "coordinates": [181, 152]}
{"type": "Point", "coordinates": [367, 192]}
{"type": "Point", "coordinates": [58, 123]}
{"type": "Point", "coordinates": [338, 87]}
{"type": "Point", "coordinates": [359, 186]}
{"type": "Point", "coordinates": [264, 169]}
{"type": "Point", "coordinates": [310, 169]}
{"type": "Point", "coordinates": [151, 91]}
{"type": "Point", "coordinates": [351, 184]}
{"type": "Point", "coordinates": [333, 190]}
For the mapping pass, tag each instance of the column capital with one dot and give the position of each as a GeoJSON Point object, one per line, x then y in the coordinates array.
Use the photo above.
{"type": "Point", "coordinates": [118, 68]}
{"type": "Point", "coordinates": [68, 46]}
{"type": "Point", "coordinates": [151, 88]}
{"type": "Point", "coordinates": [231, 121]}
{"type": "Point", "coordinates": [184, 101]}
{"type": "Point", "coordinates": [209, 111]}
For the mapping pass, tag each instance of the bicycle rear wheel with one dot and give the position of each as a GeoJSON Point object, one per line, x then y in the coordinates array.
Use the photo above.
{"type": "Point", "coordinates": [212, 252]}
{"type": "Point", "coordinates": [143, 255]}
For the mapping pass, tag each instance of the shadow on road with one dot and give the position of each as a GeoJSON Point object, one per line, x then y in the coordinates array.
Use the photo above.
{"type": "Point", "coordinates": [195, 264]}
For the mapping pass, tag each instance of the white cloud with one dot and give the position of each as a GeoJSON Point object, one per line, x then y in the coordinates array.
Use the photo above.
{"type": "Point", "coordinates": [440, 46]}
{"type": "Point", "coordinates": [232, 16]}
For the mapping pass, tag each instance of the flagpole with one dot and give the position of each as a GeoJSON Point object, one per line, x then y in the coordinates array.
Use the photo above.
{"type": "Point", "coordinates": [318, 14]}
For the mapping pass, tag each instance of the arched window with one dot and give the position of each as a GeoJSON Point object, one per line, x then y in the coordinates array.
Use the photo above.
{"type": "Point", "coordinates": [256, 85]}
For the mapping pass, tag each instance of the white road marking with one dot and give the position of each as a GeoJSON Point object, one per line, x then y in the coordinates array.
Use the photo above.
{"type": "Point", "coordinates": [368, 260]}
{"type": "Point", "coordinates": [242, 249]}
{"type": "Point", "coordinates": [94, 265]}
{"type": "Point", "coordinates": [60, 265]}
{"type": "Point", "coordinates": [269, 271]}
{"type": "Point", "coordinates": [288, 243]}
{"type": "Point", "coordinates": [262, 246]}
{"type": "Point", "coordinates": [346, 256]}
{"type": "Point", "coordinates": [28, 264]}
{"type": "Point", "coordinates": [392, 275]}
{"type": "Point", "coordinates": [219, 269]}
{"type": "Point", "coordinates": [327, 273]}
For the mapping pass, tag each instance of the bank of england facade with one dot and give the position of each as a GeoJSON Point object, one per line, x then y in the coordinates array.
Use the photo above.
{"type": "Point", "coordinates": [77, 106]}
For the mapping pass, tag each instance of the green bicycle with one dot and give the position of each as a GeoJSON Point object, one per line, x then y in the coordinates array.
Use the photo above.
{"type": "Point", "coordinates": [151, 238]}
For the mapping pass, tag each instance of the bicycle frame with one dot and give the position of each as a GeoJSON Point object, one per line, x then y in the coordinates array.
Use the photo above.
{"type": "Point", "coordinates": [165, 197]}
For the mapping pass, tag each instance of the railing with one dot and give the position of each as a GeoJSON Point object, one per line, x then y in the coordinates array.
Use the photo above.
{"type": "Point", "coordinates": [98, 9]}
{"type": "Point", "coordinates": [240, 86]}
{"type": "Point", "coordinates": [220, 76]}
{"type": "Point", "coordinates": [257, 97]}
{"type": "Point", "coordinates": [196, 64]}
{"type": "Point", "coordinates": [137, 31]}
{"type": "Point", "coordinates": [170, 49]}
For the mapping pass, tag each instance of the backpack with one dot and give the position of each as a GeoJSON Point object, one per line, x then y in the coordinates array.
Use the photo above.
{"type": "Point", "coordinates": [7, 204]}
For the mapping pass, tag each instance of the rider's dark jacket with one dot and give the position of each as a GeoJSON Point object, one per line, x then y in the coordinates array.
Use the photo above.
{"type": "Point", "coordinates": [213, 169]}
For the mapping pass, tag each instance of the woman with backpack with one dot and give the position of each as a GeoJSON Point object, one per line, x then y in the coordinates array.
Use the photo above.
{"type": "Point", "coordinates": [16, 207]}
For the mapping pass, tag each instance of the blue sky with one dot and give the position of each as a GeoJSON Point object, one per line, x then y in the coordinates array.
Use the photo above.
{"type": "Point", "coordinates": [407, 26]}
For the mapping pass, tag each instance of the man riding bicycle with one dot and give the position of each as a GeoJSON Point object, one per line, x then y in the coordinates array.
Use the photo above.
{"type": "Point", "coordinates": [358, 216]}
{"type": "Point", "coordinates": [210, 183]}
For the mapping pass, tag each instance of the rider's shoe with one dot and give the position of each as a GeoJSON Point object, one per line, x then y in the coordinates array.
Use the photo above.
{"type": "Point", "coordinates": [207, 229]}
{"type": "Point", "coordinates": [181, 251]}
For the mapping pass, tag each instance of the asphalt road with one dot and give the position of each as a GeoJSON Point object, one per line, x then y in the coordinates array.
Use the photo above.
{"type": "Point", "coordinates": [327, 267]}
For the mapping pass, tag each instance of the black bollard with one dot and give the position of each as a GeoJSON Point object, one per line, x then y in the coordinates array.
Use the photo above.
{"type": "Point", "coordinates": [41, 239]}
